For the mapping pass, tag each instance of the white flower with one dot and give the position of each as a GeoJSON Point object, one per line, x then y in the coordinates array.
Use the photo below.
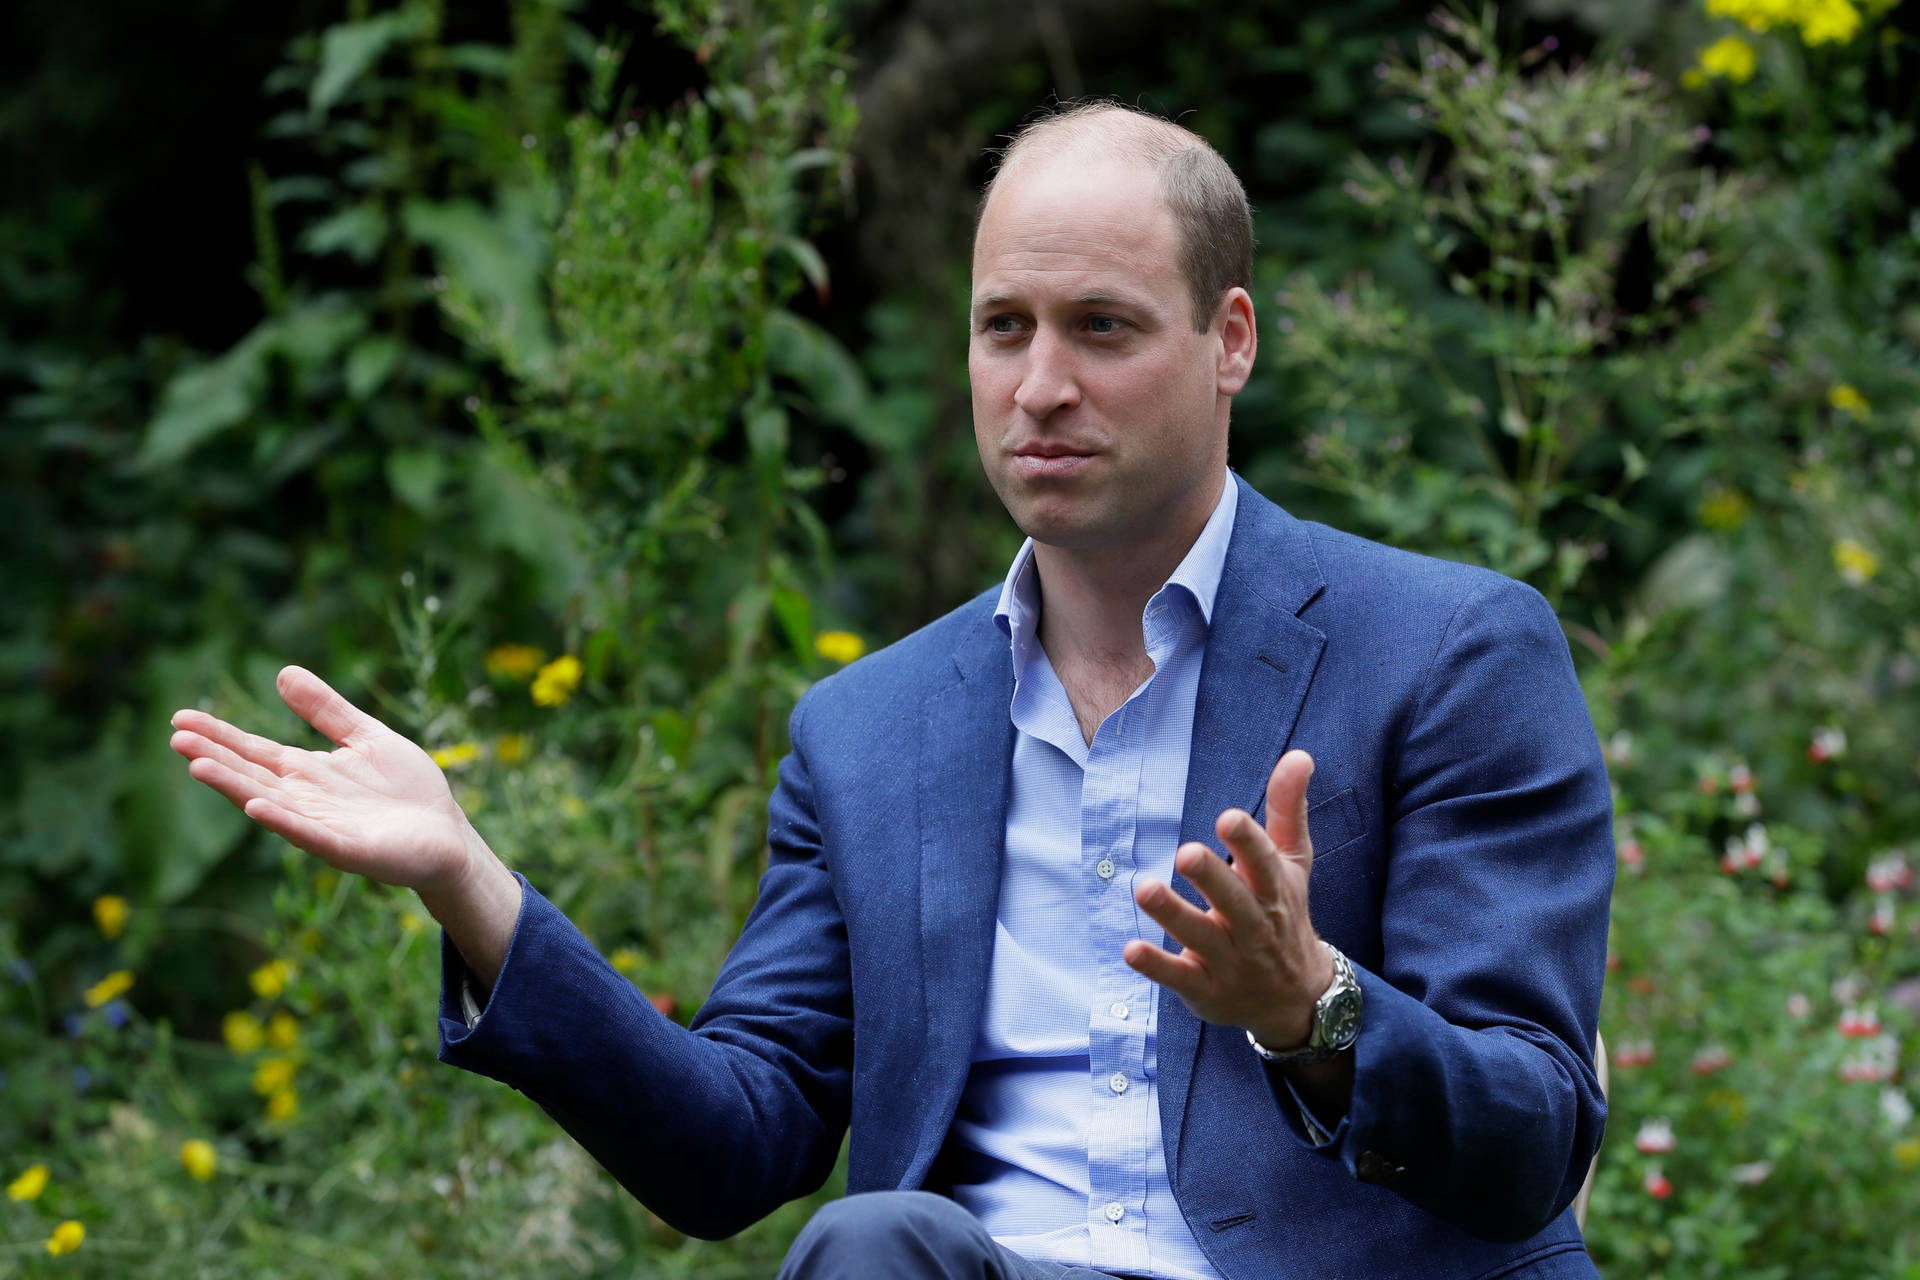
{"type": "Point", "coordinates": [1655, 1136]}
{"type": "Point", "coordinates": [1895, 1109]}
{"type": "Point", "coordinates": [1752, 1175]}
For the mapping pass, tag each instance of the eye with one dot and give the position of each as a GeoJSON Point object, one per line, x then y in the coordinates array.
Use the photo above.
{"type": "Point", "coordinates": [1105, 325]}
{"type": "Point", "coordinates": [1003, 324]}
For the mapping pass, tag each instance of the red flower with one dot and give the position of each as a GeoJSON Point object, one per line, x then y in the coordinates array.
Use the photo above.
{"type": "Point", "coordinates": [1656, 1184]}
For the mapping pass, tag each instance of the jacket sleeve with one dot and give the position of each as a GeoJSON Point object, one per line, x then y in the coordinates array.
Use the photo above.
{"type": "Point", "coordinates": [713, 1126]}
{"type": "Point", "coordinates": [1475, 1095]}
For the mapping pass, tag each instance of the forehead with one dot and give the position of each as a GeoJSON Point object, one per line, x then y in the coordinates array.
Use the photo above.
{"type": "Point", "coordinates": [1064, 223]}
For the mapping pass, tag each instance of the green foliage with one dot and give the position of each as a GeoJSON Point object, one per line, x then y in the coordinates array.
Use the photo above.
{"type": "Point", "coordinates": [1513, 427]}
{"type": "Point", "coordinates": [626, 508]}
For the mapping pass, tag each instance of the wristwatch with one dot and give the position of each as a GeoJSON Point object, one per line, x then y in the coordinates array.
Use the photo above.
{"type": "Point", "coordinates": [1336, 1019]}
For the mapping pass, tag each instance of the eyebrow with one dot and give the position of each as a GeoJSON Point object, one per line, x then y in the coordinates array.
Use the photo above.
{"type": "Point", "coordinates": [995, 301]}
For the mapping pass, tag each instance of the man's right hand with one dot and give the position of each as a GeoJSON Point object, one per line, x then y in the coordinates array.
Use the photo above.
{"type": "Point", "coordinates": [378, 807]}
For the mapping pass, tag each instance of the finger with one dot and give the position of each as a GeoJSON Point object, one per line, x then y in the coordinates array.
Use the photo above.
{"type": "Point", "coordinates": [1287, 807]}
{"type": "Point", "coordinates": [195, 747]}
{"type": "Point", "coordinates": [1254, 858]}
{"type": "Point", "coordinates": [315, 701]}
{"type": "Point", "coordinates": [1191, 927]}
{"type": "Point", "coordinates": [1184, 975]}
{"type": "Point", "coordinates": [238, 788]}
{"type": "Point", "coordinates": [251, 747]}
{"type": "Point", "coordinates": [1226, 892]}
{"type": "Point", "coordinates": [301, 832]}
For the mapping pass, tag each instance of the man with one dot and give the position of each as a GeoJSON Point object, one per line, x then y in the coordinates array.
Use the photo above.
{"type": "Point", "coordinates": [997, 935]}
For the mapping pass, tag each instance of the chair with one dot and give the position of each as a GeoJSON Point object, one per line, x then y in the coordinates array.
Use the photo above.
{"type": "Point", "coordinates": [1586, 1188]}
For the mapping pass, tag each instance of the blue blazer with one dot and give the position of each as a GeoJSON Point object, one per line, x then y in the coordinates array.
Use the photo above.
{"type": "Point", "coordinates": [1461, 819]}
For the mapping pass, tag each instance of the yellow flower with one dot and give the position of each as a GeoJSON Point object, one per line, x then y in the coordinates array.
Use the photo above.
{"type": "Point", "coordinates": [412, 922]}
{"type": "Point", "coordinates": [626, 960]}
{"type": "Point", "coordinates": [66, 1238]}
{"type": "Point", "coordinates": [1906, 1152]}
{"type": "Point", "coordinates": [272, 1076]}
{"type": "Point", "coordinates": [1724, 509]}
{"type": "Point", "coordinates": [1692, 78]}
{"type": "Point", "coordinates": [110, 913]}
{"type": "Point", "coordinates": [557, 681]}
{"type": "Point", "coordinates": [270, 979]}
{"type": "Point", "coordinates": [1855, 563]}
{"type": "Point", "coordinates": [512, 748]}
{"type": "Point", "coordinates": [1828, 21]}
{"type": "Point", "coordinates": [283, 1105]}
{"type": "Point", "coordinates": [1848, 400]}
{"type": "Point", "coordinates": [28, 1185]}
{"type": "Point", "coordinates": [839, 646]}
{"type": "Point", "coordinates": [513, 661]}
{"type": "Point", "coordinates": [114, 984]}
{"type": "Point", "coordinates": [283, 1030]}
{"type": "Point", "coordinates": [1729, 56]}
{"type": "Point", "coordinates": [198, 1158]}
{"type": "Point", "coordinates": [572, 806]}
{"type": "Point", "coordinates": [456, 756]}
{"type": "Point", "coordinates": [241, 1031]}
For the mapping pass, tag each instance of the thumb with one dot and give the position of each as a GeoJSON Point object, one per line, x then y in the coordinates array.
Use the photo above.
{"type": "Point", "coordinates": [1287, 807]}
{"type": "Point", "coordinates": [316, 702]}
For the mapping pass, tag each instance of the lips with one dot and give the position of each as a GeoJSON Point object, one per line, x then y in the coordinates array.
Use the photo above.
{"type": "Point", "coordinates": [1050, 462]}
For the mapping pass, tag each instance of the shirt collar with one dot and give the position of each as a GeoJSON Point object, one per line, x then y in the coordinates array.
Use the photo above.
{"type": "Point", "coordinates": [1018, 613]}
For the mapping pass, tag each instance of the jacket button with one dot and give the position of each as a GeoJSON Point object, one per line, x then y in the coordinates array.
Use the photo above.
{"type": "Point", "coordinates": [1374, 1167]}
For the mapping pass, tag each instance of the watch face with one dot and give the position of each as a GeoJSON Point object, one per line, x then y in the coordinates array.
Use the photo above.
{"type": "Point", "coordinates": [1340, 1025]}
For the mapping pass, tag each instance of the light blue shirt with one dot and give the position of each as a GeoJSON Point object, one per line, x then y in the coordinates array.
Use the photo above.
{"type": "Point", "coordinates": [1058, 1134]}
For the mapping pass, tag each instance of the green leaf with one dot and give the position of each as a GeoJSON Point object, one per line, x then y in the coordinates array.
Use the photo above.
{"type": "Point", "coordinates": [767, 431]}
{"type": "Point", "coordinates": [348, 49]}
{"type": "Point", "coordinates": [204, 401]}
{"type": "Point", "coordinates": [369, 364]}
{"type": "Point", "coordinates": [672, 732]}
{"type": "Point", "coordinates": [812, 265]}
{"type": "Point", "coordinates": [416, 476]}
{"type": "Point", "coordinates": [795, 613]}
{"type": "Point", "coordinates": [499, 257]}
{"type": "Point", "coordinates": [357, 231]}
{"type": "Point", "coordinates": [812, 358]}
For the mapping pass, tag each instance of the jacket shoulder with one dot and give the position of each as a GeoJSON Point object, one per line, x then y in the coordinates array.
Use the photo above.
{"type": "Point", "coordinates": [1374, 581]}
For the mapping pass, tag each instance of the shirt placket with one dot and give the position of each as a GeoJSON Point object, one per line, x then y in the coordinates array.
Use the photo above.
{"type": "Point", "coordinates": [1120, 1019]}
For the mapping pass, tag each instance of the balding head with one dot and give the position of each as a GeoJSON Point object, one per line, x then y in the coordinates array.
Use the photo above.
{"type": "Point", "coordinates": [1208, 204]}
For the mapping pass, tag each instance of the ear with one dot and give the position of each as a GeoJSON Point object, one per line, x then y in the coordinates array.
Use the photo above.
{"type": "Point", "coordinates": [1239, 340]}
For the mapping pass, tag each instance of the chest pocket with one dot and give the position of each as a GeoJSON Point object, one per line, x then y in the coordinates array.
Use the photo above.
{"type": "Point", "coordinates": [1335, 823]}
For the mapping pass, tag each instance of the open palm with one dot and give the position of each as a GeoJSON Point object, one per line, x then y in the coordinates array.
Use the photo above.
{"type": "Point", "coordinates": [378, 806]}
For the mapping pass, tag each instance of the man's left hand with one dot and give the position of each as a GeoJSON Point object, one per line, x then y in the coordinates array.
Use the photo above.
{"type": "Point", "coordinates": [1253, 960]}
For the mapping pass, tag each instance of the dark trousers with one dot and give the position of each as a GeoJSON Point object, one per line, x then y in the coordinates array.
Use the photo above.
{"type": "Point", "coordinates": [909, 1235]}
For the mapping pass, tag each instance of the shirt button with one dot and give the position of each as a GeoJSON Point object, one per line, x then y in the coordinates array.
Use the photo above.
{"type": "Point", "coordinates": [1117, 1082]}
{"type": "Point", "coordinates": [1115, 1211]}
{"type": "Point", "coordinates": [1118, 1010]}
{"type": "Point", "coordinates": [1105, 869]}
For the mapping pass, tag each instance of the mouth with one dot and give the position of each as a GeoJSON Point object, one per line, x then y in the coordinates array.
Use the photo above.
{"type": "Point", "coordinates": [1050, 461]}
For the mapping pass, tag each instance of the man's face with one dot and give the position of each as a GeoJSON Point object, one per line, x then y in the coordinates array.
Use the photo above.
{"type": "Point", "coordinates": [1098, 409]}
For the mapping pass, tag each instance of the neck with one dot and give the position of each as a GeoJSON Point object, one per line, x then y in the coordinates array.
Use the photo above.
{"type": "Point", "coordinates": [1092, 598]}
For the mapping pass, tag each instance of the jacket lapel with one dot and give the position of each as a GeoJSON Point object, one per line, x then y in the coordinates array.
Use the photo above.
{"type": "Point", "coordinates": [1260, 659]}
{"type": "Point", "coordinates": [965, 764]}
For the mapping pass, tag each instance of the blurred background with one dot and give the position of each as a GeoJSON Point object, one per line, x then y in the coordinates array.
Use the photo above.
{"type": "Point", "coordinates": [572, 383]}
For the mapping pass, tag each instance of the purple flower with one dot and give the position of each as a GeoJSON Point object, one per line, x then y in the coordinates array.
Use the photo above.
{"type": "Point", "coordinates": [116, 1013]}
{"type": "Point", "coordinates": [75, 1023]}
{"type": "Point", "coordinates": [1550, 43]}
{"type": "Point", "coordinates": [82, 1078]}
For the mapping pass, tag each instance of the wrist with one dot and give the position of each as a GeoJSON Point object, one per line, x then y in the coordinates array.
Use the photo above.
{"type": "Point", "coordinates": [1291, 1027]}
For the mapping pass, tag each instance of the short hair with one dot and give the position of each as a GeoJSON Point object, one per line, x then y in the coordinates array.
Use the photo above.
{"type": "Point", "coordinates": [1208, 204]}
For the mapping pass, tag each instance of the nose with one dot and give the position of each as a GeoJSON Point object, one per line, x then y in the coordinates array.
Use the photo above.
{"type": "Point", "coordinates": [1047, 383]}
